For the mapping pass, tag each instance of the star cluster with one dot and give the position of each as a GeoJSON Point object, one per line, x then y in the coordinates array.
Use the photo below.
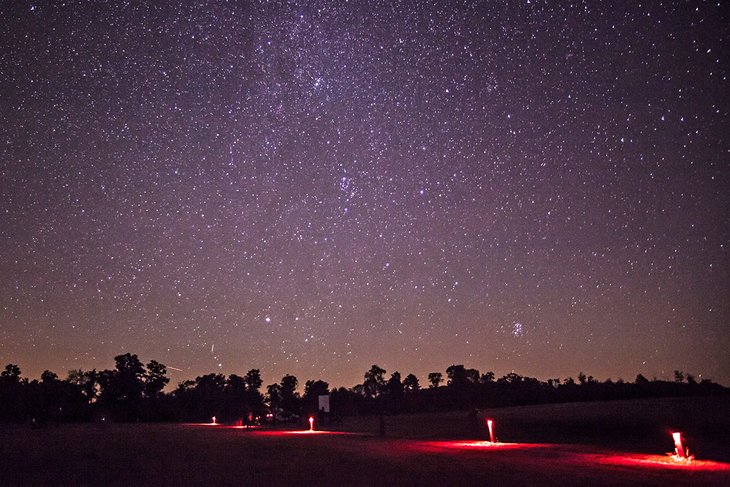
{"type": "Point", "coordinates": [314, 187]}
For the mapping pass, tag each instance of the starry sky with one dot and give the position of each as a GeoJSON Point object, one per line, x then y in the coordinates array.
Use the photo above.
{"type": "Point", "coordinates": [315, 187]}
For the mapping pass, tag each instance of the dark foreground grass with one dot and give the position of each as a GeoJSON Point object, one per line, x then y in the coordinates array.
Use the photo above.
{"type": "Point", "coordinates": [422, 453]}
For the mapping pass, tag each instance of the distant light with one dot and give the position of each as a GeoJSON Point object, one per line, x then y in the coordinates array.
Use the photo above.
{"type": "Point", "coordinates": [311, 423]}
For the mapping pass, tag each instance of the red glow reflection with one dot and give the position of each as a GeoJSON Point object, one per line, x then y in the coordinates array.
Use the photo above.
{"type": "Point", "coordinates": [663, 461]}
{"type": "Point", "coordinates": [299, 432]}
{"type": "Point", "coordinates": [477, 445]}
{"type": "Point", "coordinates": [224, 426]}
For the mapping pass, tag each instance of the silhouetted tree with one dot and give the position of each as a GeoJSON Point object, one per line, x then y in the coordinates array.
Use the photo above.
{"type": "Point", "coordinates": [253, 380]}
{"type": "Point", "coordinates": [393, 393]}
{"type": "Point", "coordinates": [11, 374]}
{"type": "Point", "coordinates": [254, 399]}
{"type": "Point", "coordinates": [209, 396]}
{"type": "Point", "coordinates": [155, 379]}
{"type": "Point", "coordinates": [316, 388]}
{"type": "Point", "coordinates": [11, 394]}
{"type": "Point", "coordinates": [273, 397]}
{"type": "Point", "coordinates": [487, 378]}
{"type": "Point", "coordinates": [49, 377]}
{"type": "Point", "coordinates": [289, 396]}
{"type": "Point", "coordinates": [46, 398]}
{"type": "Point", "coordinates": [374, 381]}
{"type": "Point", "coordinates": [472, 376]}
{"type": "Point", "coordinates": [132, 392]}
{"type": "Point", "coordinates": [410, 383]}
{"type": "Point", "coordinates": [122, 389]}
{"type": "Point", "coordinates": [456, 376]}
{"type": "Point", "coordinates": [345, 402]}
{"type": "Point", "coordinates": [394, 386]}
{"type": "Point", "coordinates": [434, 379]}
{"type": "Point", "coordinates": [511, 378]}
{"type": "Point", "coordinates": [87, 382]}
{"type": "Point", "coordinates": [243, 398]}
{"type": "Point", "coordinates": [235, 398]}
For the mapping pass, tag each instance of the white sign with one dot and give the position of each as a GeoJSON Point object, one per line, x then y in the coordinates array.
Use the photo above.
{"type": "Point", "coordinates": [324, 403]}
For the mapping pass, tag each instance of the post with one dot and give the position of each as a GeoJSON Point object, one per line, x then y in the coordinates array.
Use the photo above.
{"type": "Point", "coordinates": [678, 447]}
{"type": "Point", "coordinates": [490, 425]}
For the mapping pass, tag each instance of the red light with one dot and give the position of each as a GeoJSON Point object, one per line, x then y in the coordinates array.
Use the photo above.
{"type": "Point", "coordinates": [678, 448]}
{"type": "Point", "coordinates": [490, 425]}
{"type": "Point", "coordinates": [681, 452]}
{"type": "Point", "coordinates": [213, 420]}
{"type": "Point", "coordinates": [311, 423]}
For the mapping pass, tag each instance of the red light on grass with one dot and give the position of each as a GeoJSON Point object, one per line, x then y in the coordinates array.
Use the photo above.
{"type": "Point", "coordinates": [311, 423]}
{"type": "Point", "coordinates": [482, 445]}
{"type": "Point", "coordinates": [213, 421]}
{"type": "Point", "coordinates": [681, 452]}
{"type": "Point", "coordinates": [283, 433]}
{"type": "Point", "coordinates": [670, 462]}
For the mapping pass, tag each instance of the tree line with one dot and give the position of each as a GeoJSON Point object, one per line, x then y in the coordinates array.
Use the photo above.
{"type": "Point", "coordinates": [133, 391]}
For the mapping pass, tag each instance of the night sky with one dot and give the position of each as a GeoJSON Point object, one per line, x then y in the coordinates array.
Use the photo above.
{"type": "Point", "coordinates": [315, 187]}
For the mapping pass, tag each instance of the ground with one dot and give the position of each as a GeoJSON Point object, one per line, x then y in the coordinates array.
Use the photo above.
{"type": "Point", "coordinates": [417, 450]}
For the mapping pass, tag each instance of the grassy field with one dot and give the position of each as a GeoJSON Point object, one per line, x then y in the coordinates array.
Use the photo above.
{"type": "Point", "coordinates": [417, 450]}
{"type": "Point", "coordinates": [634, 425]}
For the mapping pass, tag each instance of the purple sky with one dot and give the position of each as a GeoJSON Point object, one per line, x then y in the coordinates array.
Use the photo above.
{"type": "Point", "coordinates": [315, 187]}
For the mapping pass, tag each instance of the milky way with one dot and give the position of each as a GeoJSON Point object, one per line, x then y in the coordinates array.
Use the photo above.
{"type": "Point", "coordinates": [315, 187]}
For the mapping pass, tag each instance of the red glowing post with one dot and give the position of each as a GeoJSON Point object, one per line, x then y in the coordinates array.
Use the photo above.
{"type": "Point", "coordinates": [490, 425]}
{"type": "Point", "coordinates": [213, 420]}
{"type": "Point", "coordinates": [678, 447]}
{"type": "Point", "coordinates": [311, 423]}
